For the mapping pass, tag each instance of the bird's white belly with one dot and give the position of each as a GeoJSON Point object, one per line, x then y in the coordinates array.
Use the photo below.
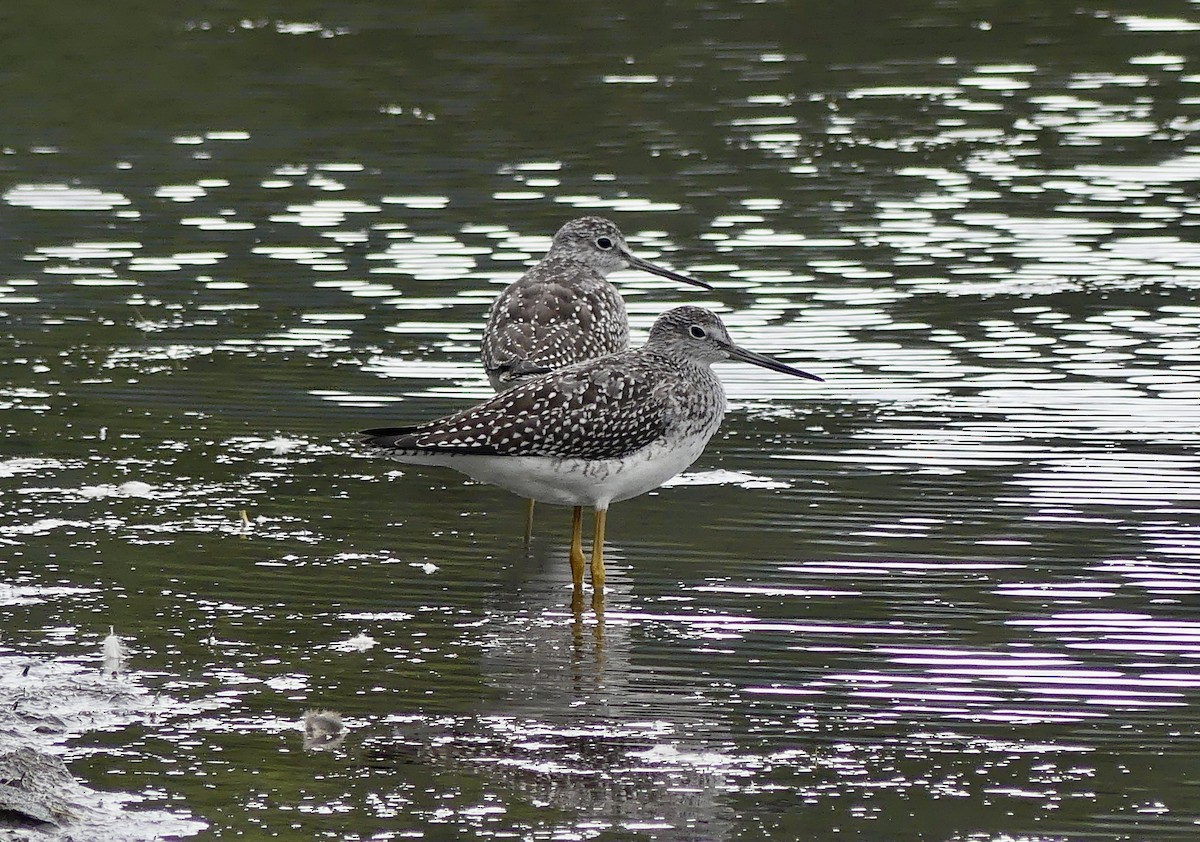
{"type": "Point", "coordinates": [575, 482]}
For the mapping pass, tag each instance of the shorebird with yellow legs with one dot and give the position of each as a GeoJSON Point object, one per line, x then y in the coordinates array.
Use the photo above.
{"type": "Point", "coordinates": [594, 433]}
{"type": "Point", "coordinates": [563, 310]}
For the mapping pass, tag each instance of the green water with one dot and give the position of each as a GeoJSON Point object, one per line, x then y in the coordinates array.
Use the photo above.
{"type": "Point", "coordinates": [947, 595]}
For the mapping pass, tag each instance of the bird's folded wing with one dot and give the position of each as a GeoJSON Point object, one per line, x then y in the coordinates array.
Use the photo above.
{"type": "Point", "coordinates": [594, 410]}
{"type": "Point", "coordinates": [514, 369]}
{"type": "Point", "coordinates": [533, 345]}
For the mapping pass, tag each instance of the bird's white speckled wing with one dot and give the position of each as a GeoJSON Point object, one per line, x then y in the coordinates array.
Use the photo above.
{"type": "Point", "coordinates": [557, 315]}
{"type": "Point", "coordinates": [602, 409]}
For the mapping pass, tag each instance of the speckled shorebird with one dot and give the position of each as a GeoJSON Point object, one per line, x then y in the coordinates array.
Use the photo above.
{"type": "Point", "coordinates": [563, 311]}
{"type": "Point", "coordinates": [593, 433]}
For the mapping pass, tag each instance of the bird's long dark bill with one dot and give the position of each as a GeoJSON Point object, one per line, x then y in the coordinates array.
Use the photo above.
{"type": "Point", "coordinates": [647, 266]}
{"type": "Point", "coordinates": [741, 354]}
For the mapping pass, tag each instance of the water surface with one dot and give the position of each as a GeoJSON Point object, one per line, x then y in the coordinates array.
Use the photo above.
{"type": "Point", "coordinates": [949, 594]}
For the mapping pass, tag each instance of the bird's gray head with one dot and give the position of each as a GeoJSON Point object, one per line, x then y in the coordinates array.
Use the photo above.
{"type": "Point", "coordinates": [592, 241]}
{"type": "Point", "coordinates": [700, 336]}
{"type": "Point", "coordinates": [692, 332]}
{"type": "Point", "coordinates": [599, 244]}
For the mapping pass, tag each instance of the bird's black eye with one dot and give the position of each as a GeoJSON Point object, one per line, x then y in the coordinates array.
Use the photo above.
{"type": "Point", "coordinates": [697, 332]}
{"type": "Point", "coordinates": [604, 243]}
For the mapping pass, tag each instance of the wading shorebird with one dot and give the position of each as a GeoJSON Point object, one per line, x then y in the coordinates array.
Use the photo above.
{"type": "Point", "coordinates": [563, 311]}
{"type": "Point", "coordinates": [594, 433]}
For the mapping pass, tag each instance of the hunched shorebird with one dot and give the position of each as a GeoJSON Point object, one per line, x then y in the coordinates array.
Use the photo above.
{"type": "Point", "coordinates": [563, 310]}
{"type": "Point", "coordinates": [594, 433]}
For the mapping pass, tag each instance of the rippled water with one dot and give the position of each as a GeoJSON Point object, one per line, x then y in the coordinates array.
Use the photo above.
{"type": "Point", "coordinates": [949, 594]}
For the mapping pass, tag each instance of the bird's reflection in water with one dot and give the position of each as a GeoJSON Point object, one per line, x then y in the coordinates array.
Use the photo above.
{"type": "Point", "coordinates": [551, 640]}
{"type": "Point", "coordinates": [574, 722]}
{"type": "Point", "coordinates": [581, 621]}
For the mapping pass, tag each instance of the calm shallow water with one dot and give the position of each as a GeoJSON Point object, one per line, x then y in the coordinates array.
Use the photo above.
{"type": "Point", "coordinates": [950, 594]}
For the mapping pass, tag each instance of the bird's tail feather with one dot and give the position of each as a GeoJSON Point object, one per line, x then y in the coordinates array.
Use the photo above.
{"type": "Point", "coordinates": [388, 431]}
{"type": "Point", "coordinates": [389, 437]}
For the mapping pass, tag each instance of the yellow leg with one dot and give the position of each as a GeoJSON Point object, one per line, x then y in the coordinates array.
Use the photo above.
{"type": "Point", "coordinates": [598, 550]}
{"type": "Point", "coordinates": [529, 522]}
{"type": "Point", "coordinates": [577, 548]}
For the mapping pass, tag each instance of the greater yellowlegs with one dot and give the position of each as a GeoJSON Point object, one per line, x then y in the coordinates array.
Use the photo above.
{"type": "Point", "coordinates": [594, 433]}
{"type": "Point", "coordinates": [563, 311]}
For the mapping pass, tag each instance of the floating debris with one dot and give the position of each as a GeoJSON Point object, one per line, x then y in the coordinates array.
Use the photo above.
{"type": "Point", "coordinates": [361, 642]}
{"type": "Point", "coordinates": [114, 655]}
{"type": "Point", "coordinates": [132, 488]}
{"type": "Point", "coordinates": [323, 729]}
{"type": "Point", "coordinates": [280, 445]}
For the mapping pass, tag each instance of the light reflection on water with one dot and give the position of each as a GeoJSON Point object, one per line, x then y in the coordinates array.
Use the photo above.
{"type": "Point", "coordinates": [949, 589]}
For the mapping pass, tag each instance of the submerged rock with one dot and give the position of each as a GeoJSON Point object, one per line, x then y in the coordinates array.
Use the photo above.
{"type": "Point", "coordinates": [44, 705]}
{"type": "Point", "coordinates": [36, 789]}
